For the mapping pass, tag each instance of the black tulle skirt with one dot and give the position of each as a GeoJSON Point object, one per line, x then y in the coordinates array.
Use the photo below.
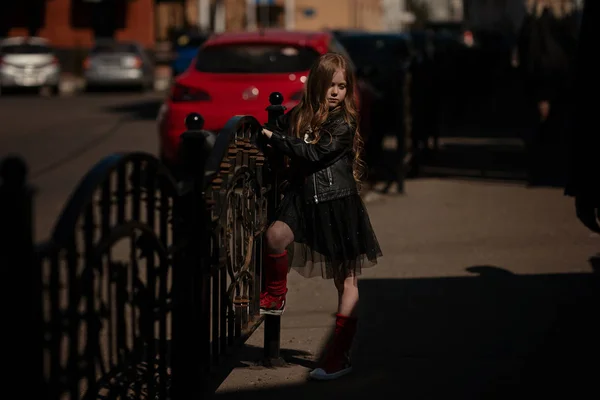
{"type": "Point", "coordinates": [332, 239]}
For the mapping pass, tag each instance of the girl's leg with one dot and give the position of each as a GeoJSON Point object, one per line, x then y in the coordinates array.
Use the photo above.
{"type": "Point", "coordinates": [347, 296]}
{"type": "Point", "coordinates": [336, 362]}
{"type": "Point", "coordinates": [272, 297]}
{"type": "Point", "coordinates": [279, 236]}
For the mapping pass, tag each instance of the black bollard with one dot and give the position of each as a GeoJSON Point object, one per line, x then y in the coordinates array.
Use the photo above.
{"type": "Point", "coordinates": [272, 338]}
{"type": "Point", "coordinates": [276, 108]}
{"type": "Point", "coordinates": [194, 141]}
{"type": "Point", "coordinates": [191, 280]}
{"type": "Point", "coordinates": [401, 167]}
{"type": "Point", "coordinates": [18, 259]}
{"type": "Point", "coordinates": [276, 161]}
{"type": "Point", "coordinates": [194, 122]}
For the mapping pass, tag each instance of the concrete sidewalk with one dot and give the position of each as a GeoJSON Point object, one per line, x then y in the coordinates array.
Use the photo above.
{"type": "Point", "coordinates": [477, 282]}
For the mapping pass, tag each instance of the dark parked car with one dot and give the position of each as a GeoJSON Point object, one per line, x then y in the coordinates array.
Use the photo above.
{"type": "Point", "coordinates": [185, 47]}
{"type": "Point", "coordinates": [114, 63]}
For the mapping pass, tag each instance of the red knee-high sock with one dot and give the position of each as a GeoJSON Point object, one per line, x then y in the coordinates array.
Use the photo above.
{"type": "Point", "coordinates": [276, 270]}
{"type": "Point", "coordinates": [345, 329]}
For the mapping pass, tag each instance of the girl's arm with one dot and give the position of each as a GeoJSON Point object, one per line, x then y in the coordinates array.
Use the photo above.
{"type": "Point", "coordinates": [323, 152]}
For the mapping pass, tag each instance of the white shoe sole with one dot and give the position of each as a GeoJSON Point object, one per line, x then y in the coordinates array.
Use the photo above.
{"type": "Point", "coordinates": [271, 312]}
{"type": "Point", "coordinates": [319, 374]}
{"type": "Point", "coordinates": [264, 311]}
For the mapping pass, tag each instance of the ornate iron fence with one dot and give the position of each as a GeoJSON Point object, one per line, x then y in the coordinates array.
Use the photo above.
{"type": "Point", "coordinates": [147, 282]}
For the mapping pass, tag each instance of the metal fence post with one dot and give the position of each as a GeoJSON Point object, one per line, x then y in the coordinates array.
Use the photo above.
{"type": "Point", "coordinates": [18, 259]}
{"type": "Point", "coordinates": [272, 338]}
{"type": "Point", "coordinates": [191, 343]}
{"type": "Point", "coordinates": [402, 149]}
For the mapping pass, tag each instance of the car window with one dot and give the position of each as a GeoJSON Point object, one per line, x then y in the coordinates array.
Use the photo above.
{"type": "Point", "coordinates": [115, 48]}
{"type": "Point", "coordinates": [255, 58]}
{"type": "Point", "coordinates": [25, 49]}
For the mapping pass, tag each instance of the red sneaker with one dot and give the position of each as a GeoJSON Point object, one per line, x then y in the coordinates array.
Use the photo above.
{"type": "Point", "coordinates": [272, 305]}
{"type": "Point", "coordinates": [334, 370]}
{"type": "Point", "coordinates": [275, 269]}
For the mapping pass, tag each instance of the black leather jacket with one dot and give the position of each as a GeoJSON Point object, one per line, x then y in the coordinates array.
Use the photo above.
{"type": "Point", "coordinates": [323, 169]}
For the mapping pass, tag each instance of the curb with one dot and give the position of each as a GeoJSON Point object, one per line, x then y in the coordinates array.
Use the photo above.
{"type": "Point", "coordinates": [72, 85]}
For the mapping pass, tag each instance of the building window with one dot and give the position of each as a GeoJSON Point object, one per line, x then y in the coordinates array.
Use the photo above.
{"type": "Point", "coordinates": [29, 15]}
{"type": "Point", "coordinates": [270, 16]}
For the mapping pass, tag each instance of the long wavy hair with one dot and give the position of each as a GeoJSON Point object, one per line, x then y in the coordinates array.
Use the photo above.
{"type": "Point", "coordinates": [313, 110]}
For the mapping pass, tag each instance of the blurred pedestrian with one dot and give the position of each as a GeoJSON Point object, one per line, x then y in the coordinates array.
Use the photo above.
{"type": "Point", "coordinates": [584, 173]}
{"type": "Point", "coordinates": [546, 47]}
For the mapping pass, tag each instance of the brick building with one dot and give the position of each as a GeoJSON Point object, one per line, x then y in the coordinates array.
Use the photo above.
{"type": "Point", "coordinates": [69, 24]}
{"type": "Point", "coordinates": [289, 14]}
{"type": "Point", "coordinates": [75, 23]}
{"type": "Point", "coordinates": [339, 14]}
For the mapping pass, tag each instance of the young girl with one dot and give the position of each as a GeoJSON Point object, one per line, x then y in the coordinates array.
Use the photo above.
{"type": "Point", "coordinates": [321, 213]}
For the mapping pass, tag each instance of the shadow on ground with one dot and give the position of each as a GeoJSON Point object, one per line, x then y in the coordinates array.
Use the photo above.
{"type": "Point", "coordinates": [21, 92]}
{"type": "Point", "coordinates": [494, 335]}
{"type": "Point", "coordinates": [112, 89]}
{"type": "Point", "coordinates": [251, 357]}
{"type": "Point", "coordinates": [145, 109]}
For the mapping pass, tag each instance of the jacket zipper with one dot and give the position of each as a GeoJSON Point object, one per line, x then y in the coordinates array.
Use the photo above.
{"type": "Point", "coordinates": [329, 176]}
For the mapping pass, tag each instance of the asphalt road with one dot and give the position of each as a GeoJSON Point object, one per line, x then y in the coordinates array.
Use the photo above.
{"type": "Point", "coordinates": [62, 138]}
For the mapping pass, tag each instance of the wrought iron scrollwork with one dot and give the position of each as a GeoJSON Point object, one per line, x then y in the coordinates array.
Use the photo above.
{"type": "Point", "coordinates": [107, 273]}
{"type": "Point", "coordinates": [146, 282]}
{"type": "Point", "coordinates": [237, 189]}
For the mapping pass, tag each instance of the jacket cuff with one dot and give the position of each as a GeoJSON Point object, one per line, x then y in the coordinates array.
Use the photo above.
{"type": "Point", "coordinates": [276, 137]}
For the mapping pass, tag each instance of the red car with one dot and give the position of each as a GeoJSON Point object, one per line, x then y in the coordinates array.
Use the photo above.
{"type": "Point", "coordinates": [234, 73]}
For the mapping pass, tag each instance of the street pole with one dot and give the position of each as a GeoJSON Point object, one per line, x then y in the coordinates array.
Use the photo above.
{"type": "Point", "coordinates": [272, 331]}
{"type": "Point", "coordinates": [204, 15]}
{"type": "Point", "coordinates": [290, 14]}
{"type": "Point", "coordinates": [251, 15]}
{"type": "Point", "coordinates": [399, 12]}
{"type": "Point", "coordinates": [220, 16]}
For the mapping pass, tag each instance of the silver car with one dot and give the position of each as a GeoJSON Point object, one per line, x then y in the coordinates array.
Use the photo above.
{"type": "Point", "coordinates": [28, 62]}
{"type": "Point", "coordinates": [112, 63]}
